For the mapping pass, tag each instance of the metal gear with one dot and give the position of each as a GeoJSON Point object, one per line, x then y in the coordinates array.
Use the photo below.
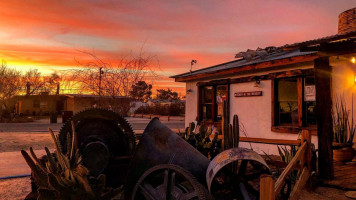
{"type": "Point", "coordinates": [103, 137]}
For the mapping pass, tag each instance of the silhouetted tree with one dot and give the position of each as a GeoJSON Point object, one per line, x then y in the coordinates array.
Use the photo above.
{"type": "Point", "coordinates": [167, 94]}
{"type": "Point", "coordinates": [141, 91]}
{"type": "Point", "coordinates": [36, 83]}
{"type": "Point", "coordinates": [10, 85]}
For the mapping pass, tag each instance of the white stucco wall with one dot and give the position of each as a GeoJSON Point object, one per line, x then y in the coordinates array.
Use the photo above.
{"type": "Point", "coordinates": [343, 81]}
{"type": "Point", "coordinates": [255, 115]}
{"type": "Point", "coordinates": [191, 105]}
{"type": "Point", "coordinates": [255, 112]}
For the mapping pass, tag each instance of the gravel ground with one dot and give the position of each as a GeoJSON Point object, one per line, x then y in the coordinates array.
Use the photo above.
{"type": "Point", "coordinates": [10, 142]}
{"type": "Point", "coordinates": [13, 189]}
{"type": "Point", "coordinates": [323, 193]}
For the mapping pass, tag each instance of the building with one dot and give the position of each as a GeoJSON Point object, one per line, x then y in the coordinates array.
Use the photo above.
{"type": "Point", "coordinates": [44, 104]}
{"type": "Point", "coordinates": [277, 91]}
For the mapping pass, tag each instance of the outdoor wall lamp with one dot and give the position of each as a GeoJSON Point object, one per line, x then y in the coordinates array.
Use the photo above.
{"type": "Point", "coordinates": [257, 83]}
{"type": "Point", "coordinates": [353, 59]}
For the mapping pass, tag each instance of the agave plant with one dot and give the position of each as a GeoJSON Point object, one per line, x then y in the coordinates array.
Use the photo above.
{"type": "Point", "coordinates": [343, 128]}
{"type": "Point", "coordinates": [62, 176]}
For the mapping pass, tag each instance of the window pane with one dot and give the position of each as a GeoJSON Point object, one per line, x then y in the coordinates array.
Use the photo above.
{"type": "Point", "coordinates": [207, 102]}
{"type": "Point", "coordinates": [288, 101]}
{"type": "Point", "coordinates": [310, 112]}
{"type": "Point", "coordinates": [207, 94]}
{"type": "Point", "coordinates": [309, 98]}
{"type": "Point", "coordinates": [221, 94]}
{"type": "Point", "coordinates": [207, 111]}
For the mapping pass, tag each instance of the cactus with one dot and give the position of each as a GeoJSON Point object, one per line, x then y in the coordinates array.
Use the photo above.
{"type": "Point", "coordinates": [63, 177]}
{"type": "Point", "coordinates": [201, 139]}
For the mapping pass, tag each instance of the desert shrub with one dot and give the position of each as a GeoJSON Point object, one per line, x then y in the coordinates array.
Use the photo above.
{"type": "Point", "coordinates": [173, 109]}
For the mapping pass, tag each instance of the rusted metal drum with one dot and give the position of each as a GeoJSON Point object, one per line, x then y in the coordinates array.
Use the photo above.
{"type": "Point", "coordinates": [160, 145]}
{"type": "Point", "coordinates": [226, 157]}
{"type": "Point", "coordinates": [240, 182]}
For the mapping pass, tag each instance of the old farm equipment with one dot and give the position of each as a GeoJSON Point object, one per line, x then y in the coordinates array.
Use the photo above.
{"type": "Point", "coordinates": [105, 140]}
{"type": "Point", "coordinates": [163, 165]}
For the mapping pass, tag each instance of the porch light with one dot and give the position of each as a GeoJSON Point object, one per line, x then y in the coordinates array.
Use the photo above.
{"type": "Point", "coordinates": [353, 59]}
{"type": "Point", "coordinates": [257, 83]}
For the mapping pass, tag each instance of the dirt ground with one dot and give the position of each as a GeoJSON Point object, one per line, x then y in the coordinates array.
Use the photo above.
{"type": "Point", "coordinates": [323, 193]}
{"type": "Point", "coordinates": [13, 189]}
{"type": "Point", "coordinates": [10, 142]}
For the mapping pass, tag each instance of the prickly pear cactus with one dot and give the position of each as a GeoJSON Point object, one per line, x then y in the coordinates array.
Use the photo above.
{"type": "Point", "coordinates": [63, 177]}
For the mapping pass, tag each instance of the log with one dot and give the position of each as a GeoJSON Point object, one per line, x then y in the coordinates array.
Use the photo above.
{"type": "Point", "coordinates": [280, 181]}
{"type": "Point", "coordinates": [324, 116]}
{"type": "Point", "coordinates": [266, 187]}
{"type": "Point", "coordinates": [299, 185]}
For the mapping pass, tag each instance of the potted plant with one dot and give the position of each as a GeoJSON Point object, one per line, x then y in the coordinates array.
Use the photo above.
{"type": "Point", "coordinates": [343, 131]}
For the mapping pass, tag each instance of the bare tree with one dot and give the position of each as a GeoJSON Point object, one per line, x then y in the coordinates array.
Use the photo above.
{"type": "Point", "coordinates": [10, 85]}
{"type": "Point", "coordinates": [101, 78]}
{"type": "Point", "coordinates": [35, 82]}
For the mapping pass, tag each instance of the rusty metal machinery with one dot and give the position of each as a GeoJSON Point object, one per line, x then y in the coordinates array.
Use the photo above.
{"type": "Point", "coordinates": [163, 165]}
{"type": "Point", "coordinates": [161, 154]}
{"type": "Point", "coordinates": [235, 173]}
{"type": "Point", "coordinates": [105, 140]}
{"type": "Point", "coordinates": [160, 145]}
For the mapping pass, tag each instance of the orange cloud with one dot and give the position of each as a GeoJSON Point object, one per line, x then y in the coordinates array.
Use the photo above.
{"type": "Point", "coordinates": [48, 34]}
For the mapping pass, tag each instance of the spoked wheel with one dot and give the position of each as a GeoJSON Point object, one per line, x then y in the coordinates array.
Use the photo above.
{"type": "Point", "coordinates": [235, 174]}
{"type": "Point", "coordinates": [168, 182]}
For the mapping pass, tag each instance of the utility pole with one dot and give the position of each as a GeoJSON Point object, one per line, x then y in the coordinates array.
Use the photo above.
{"type": "Point", "coordinates": [100, 73]}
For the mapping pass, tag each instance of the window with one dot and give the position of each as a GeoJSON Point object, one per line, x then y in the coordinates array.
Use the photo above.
{"type": "Point", "coordinates": [211, 100]}
{"type": "Point", "coordinates": [288, 101]}
{"type": "Point", "coordinates": [294, 102]}
{"type": "Point", "coordinates": [207, 102]}
{"type": "Point", "coordinates": [309, 98]}
{"type": "Point", "coordinates": [36, 103]}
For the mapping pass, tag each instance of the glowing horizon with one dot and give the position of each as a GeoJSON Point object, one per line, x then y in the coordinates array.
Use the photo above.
{"type": "Point", "coordinates": [51, 35]}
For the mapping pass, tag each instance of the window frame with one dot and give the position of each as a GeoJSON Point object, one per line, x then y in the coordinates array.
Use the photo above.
{"type": "Point", "coordinates": [302, 121]}
{"type": "Point", "coordinates": [213, 119]}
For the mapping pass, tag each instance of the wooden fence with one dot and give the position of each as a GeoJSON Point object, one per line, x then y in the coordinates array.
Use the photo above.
{"type": "Point", "coordinates": [301, 162]}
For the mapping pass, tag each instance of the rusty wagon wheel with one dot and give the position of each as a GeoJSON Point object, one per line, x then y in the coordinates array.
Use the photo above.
{"type": "Point", "coordinates": [235, 173]}
{"type": "Point", "coordinates": [168, 182]}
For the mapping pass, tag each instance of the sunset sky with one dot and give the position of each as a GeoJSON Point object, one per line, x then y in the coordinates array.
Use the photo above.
{"type": "Point", "coordinates": [50, 35]}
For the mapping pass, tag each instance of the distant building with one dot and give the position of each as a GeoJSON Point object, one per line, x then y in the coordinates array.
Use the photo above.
{"type": "Point", "coordinates": [44, 104]}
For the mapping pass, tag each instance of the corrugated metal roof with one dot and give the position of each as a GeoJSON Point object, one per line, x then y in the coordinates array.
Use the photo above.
{"type": "Point", "coordinates": [242, 62]}
{"type": "Point", "coordinates": [331, 38]}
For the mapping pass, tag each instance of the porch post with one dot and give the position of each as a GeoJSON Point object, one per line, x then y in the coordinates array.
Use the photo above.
{"type": "Point", "coordinates": [324, 118]}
